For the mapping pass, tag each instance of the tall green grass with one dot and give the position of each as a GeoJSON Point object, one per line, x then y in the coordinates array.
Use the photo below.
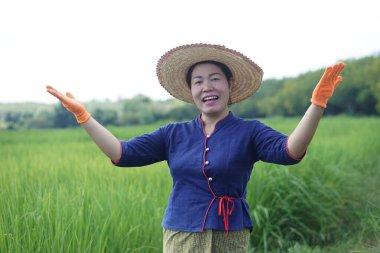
{"type": "Point", "coordinates": [325, 199]}
{"type": "Point", "coordinates": [58, 193]}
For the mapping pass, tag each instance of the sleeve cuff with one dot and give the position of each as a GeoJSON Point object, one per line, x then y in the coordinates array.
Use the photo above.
{"type": "Point", "coordinates": [292, 156]}
{"type": "Point", "coordinates": [121, 155]}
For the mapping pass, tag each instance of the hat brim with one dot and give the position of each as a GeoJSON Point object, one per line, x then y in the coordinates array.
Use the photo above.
{"type": "Point", "coordinates": [174, 65]}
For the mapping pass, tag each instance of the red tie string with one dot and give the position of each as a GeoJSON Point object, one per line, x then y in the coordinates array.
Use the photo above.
{"type": "Point", "coordinates": [224, 209]}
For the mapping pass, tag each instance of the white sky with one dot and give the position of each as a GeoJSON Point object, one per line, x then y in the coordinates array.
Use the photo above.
{"type": "Point", "coordinates": [109, 49]}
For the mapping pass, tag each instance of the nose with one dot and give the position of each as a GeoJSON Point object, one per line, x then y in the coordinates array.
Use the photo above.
{"type": "Point", "coordinates": [207, 86]}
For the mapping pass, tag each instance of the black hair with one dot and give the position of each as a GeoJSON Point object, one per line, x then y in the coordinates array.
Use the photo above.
{"type": "Point", "coordinates": [226, 71]}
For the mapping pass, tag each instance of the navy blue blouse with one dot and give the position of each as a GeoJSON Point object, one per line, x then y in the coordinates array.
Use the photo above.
{"type": "Point", "coordinates": [210, 173]}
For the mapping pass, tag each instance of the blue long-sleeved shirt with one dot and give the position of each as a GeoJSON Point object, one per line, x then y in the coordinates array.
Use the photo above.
{"type": "Point", "coordinates": [210, 173]}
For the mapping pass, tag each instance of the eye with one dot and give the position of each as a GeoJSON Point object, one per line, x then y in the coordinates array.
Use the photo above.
{"type": "Point", "coordinates": [215, 79]}
{"type": "Point", "coordinates": [197, 82]}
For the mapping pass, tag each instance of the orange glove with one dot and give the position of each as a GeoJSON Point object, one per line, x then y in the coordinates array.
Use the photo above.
{"type": "Point", "coordinates": [328, 83]}
{"type": "Point", "coordinates": [71, 104]}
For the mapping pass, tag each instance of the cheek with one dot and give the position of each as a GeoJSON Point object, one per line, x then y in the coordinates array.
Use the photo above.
{"type": "Point", "coordinates": [228, 91]}
{"type": "Point", "coordinates": [194, 96]}
{"type": "Point", "coordinates": [194, 92]}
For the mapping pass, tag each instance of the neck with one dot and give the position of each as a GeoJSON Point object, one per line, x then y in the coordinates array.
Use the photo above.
{"type": "Point", "coordinates": [210, 121]}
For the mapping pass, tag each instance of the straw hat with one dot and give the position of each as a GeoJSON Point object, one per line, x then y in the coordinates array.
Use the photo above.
{"type": "Point", "coordinates": [174, 65]}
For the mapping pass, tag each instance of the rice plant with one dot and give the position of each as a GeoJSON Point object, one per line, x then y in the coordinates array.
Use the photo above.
{"type": "Point", "coordinates": [58, 193]}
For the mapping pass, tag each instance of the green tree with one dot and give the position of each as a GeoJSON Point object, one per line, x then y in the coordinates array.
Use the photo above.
{"type": "Point", "coordinates": [63, 118]}
{"type": "Point", "coordinates": [43, 119]}
{"type": "Point", "coordinates": [105, 116]}
{"type": "Point", "coordinates": [183, 112]}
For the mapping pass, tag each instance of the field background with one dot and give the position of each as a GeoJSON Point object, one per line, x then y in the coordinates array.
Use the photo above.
{"type": "Point", "coordinates": [58, 193]}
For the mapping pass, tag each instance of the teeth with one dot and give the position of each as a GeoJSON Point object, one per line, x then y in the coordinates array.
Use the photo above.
{"type": "Point", "coordinates": [210, 98]}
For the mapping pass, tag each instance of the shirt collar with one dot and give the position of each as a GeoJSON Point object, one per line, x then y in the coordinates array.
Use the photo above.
{"type": "Point", "coordinates": [226, 120]}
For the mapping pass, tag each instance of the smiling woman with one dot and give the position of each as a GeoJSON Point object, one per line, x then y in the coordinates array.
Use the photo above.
{"type": "Point", "coordinates": [211, 157]}
{"type": "Point", "coordinates": [210, 90]}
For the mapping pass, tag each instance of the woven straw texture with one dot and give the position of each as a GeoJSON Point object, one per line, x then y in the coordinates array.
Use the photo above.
{"type": "Point", "coordinates": [174, 64]}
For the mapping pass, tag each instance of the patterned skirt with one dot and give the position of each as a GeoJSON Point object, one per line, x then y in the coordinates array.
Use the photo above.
{"type": "Point", "coordinates": [209, 241]}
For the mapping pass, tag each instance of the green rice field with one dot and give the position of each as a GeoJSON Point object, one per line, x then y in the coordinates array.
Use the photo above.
{"type": "Point", "coordinates": [59, 193]}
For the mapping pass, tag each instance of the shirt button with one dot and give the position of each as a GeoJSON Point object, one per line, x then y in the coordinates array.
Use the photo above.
{"type": "Point", "coordinates": [206, 162]}
{"type": "Point", "coordinates": [207, 149]}
{"type": "Point", "coordinates": [210, 179]}
{"type": "Point", "coordinates": [208, 136]}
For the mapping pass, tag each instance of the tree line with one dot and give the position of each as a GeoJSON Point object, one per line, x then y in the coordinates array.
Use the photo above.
{"type": "Point", "coordinates": [358, 94]}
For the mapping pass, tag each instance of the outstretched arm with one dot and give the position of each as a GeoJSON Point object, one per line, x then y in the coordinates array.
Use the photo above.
{"type": "Point", "coordinates": [103, 138]}
{"type": "Point", "coordinates": [302, 135]}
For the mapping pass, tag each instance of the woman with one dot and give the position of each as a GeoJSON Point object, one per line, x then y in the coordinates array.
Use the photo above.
{"type": "Point", "coordinates": [211, 157]}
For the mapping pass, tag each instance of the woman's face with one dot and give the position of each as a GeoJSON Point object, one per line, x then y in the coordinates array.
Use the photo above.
{"type": "Point", "coordinates": [210, 89]}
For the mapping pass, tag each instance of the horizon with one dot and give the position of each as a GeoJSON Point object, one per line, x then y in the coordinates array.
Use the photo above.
{"type": "Point", "coordinates": [108, 100]}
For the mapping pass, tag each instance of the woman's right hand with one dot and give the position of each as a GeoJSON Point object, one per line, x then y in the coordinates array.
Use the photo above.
{"type": "Point", "coordinates": [71, 104]}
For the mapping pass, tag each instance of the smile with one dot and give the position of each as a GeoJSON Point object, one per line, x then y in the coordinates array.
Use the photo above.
{"type": "Point", "coordinates": [210, 98]}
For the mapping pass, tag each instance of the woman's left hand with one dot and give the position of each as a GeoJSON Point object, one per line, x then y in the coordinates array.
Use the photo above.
{"type": "Point", "coordinates": [327, 85]}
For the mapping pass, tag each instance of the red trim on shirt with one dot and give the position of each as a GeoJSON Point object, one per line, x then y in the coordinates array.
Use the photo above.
{"type": "Point", "coordinates": [292, 156]}
{"type": "Point", "coordinates": [225, 202]}
{"type": "Point", "coordinates": [121, 154]}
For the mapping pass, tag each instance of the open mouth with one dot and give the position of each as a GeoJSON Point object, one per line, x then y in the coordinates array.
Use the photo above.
{"type": "Point", "coordinates": [210, 98]}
